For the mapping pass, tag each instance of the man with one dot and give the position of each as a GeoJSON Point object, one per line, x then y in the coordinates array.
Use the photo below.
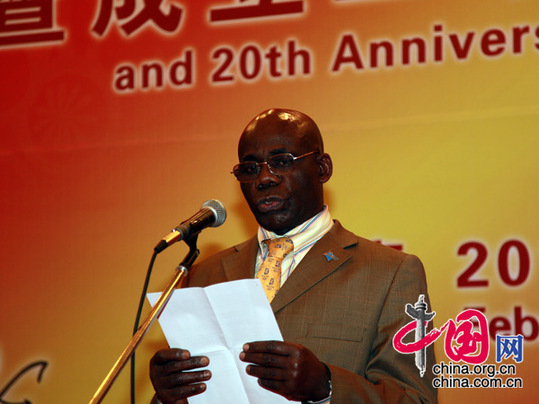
{"type": "Point", "coordinates": [341, 297]}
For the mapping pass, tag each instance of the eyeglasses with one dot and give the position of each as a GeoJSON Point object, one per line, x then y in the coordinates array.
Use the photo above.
{"type": "Point", "coordinates": [278, 164]}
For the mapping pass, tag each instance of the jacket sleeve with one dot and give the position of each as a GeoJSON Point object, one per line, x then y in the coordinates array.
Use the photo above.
{"type": "Point", "coordinates": [391, 377]}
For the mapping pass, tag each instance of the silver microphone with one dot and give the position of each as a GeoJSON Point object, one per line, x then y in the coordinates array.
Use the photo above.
{"type": "Point", "coordinates": [211, 214]}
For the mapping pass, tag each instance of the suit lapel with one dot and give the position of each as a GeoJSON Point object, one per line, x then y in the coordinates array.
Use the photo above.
{"type": "Point", "coordinates": [325, 257]}
{"type": "Point", "coordinates": [241, 264]}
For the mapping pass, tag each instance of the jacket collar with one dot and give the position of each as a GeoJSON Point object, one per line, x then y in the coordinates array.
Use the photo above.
{"type": "Point", "coordinates": [325, 257]}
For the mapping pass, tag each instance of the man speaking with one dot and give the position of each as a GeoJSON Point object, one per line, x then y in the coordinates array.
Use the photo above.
{"type": "Point", "coordinates": [338, 298]}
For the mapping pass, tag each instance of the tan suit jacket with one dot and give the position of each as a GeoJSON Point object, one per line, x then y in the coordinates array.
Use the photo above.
{"type": "Point", "coordinates": [346, 309]}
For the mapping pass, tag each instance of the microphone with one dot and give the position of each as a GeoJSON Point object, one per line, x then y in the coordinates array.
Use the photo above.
{"type": "Point", "coordinates": [211, 214]}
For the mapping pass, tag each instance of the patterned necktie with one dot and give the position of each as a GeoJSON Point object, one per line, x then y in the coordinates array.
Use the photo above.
{"type": "Point", "coordinates": [269, 272]}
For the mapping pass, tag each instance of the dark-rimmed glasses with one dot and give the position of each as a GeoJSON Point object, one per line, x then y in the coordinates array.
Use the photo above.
{"type": "Point", "coordinates": [278, 164]}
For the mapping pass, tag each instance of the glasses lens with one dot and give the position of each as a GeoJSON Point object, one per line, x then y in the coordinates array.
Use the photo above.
{"type": "Point", "coordinates": [246, 171]}
{"type": "Point", "coordinates": [281, 162]}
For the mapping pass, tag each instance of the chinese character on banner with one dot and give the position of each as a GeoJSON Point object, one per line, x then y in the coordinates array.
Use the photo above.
{"type": "Point", "coordinates": [27, 22]}
{"type": "Point", "coordinates": [507, 346]}
{"type": "Point", "coordinates": [396, 246]}
{"type": "Point", "coordinates": [262, 8]}
{"type": "Point", "coordinates": [136, 13]}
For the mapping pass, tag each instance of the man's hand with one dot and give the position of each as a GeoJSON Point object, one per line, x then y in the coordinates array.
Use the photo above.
{"type": "Point", "coordinates": [170, 379]}
{"type": "Point", "coordinates": [287, 369]}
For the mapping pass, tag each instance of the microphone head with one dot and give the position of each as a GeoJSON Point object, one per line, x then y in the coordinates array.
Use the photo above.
{"type": "Point", "coordinates": [218, 210]}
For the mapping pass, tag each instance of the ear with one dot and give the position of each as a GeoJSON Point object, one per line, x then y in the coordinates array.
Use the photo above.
{"type": "Point", "coordinates": [326, 167]}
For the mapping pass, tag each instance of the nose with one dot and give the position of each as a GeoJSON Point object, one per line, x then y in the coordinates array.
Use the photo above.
{"type": "Point", "coordinates": [266, 177]}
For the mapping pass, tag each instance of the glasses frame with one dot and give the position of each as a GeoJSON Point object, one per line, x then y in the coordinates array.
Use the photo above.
{"type": "Point", "coordinates": [258, 165]}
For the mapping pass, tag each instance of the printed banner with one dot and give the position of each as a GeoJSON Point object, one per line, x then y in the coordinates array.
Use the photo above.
{"type": "Point", "coordinates": [120, 118]}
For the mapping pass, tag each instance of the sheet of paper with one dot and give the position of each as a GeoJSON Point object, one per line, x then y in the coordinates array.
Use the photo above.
{"type": "Point", "coordinates": [216, 321]}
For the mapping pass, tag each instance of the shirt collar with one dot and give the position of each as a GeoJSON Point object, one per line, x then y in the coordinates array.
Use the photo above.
{"type": "Point", "coordinates": [304, 234]}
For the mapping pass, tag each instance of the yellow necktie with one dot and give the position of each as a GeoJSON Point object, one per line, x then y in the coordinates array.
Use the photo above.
{"type": "Point", "coordinates": [269, 272]}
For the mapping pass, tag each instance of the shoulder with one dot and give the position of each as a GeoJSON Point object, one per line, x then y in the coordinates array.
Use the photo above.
{"type": "Point", "coordinates": [357, 244]}
{"type": "Point", "coordinates": [228, 264]}
{"type": "Point", "coordinates": [373, 255]}
{"type": "Point", "coordinates": [223, 254]}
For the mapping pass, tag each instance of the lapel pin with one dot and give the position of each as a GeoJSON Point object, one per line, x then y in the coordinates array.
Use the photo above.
{"type": "Point", "coordinates": [330, 256]}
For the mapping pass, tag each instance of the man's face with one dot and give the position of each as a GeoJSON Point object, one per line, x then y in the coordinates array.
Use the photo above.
{"type": "Point", "coordinates": [281, 202]}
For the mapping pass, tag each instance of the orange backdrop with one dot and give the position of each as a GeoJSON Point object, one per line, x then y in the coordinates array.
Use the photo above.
{"type": "Point", "coordinates": [119, 118]}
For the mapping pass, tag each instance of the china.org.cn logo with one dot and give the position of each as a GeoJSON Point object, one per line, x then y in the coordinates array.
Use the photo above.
{"type": "Point", "coordinates": [466, 339]}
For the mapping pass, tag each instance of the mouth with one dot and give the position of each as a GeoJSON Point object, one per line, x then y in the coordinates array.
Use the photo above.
{"type": "Point", "coordinates": [270, 204]}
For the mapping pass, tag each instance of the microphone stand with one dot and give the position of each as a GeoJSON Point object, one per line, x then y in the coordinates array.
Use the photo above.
{"type": "Point", "coordinates": [181, 270]}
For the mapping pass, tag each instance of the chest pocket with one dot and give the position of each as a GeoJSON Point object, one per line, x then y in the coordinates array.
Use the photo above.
{"type": "Point", "coordinates": [337, 344]}
{"type": "Point", "coordinates": [335, 331]}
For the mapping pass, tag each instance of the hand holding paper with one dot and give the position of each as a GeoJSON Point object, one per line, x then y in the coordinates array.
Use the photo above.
{"type": "Point", "coordinates": [290, 370]}
{"type": "Point", "coordinates": [168, 372]}
{"type": "Point", "coordinates": [215, 322]}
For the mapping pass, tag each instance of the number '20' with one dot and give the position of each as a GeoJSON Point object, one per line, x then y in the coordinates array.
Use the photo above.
{"type": "Point", "coordinates": [509, 276]}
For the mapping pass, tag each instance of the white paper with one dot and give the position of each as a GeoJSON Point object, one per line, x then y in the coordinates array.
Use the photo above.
{"type": "Point", "coordinates": [216, 322]}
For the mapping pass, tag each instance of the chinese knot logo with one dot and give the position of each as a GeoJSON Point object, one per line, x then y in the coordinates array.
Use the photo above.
{"type": "Point", "coordinates": [466, 339]}
{"type": "Point", "coordinates": [421, 317]}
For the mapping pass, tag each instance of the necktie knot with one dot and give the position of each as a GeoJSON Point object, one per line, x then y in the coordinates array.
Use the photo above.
{"type": "Point", "coordinates": [279, 247]}
{"type": "Point", "coordinates": [269, 272]}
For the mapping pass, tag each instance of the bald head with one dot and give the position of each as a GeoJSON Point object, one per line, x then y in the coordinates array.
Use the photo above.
{"type": "Point", "coordinates": [278, 121]}
{"type": "Point", "coordinates": [283, 199]}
